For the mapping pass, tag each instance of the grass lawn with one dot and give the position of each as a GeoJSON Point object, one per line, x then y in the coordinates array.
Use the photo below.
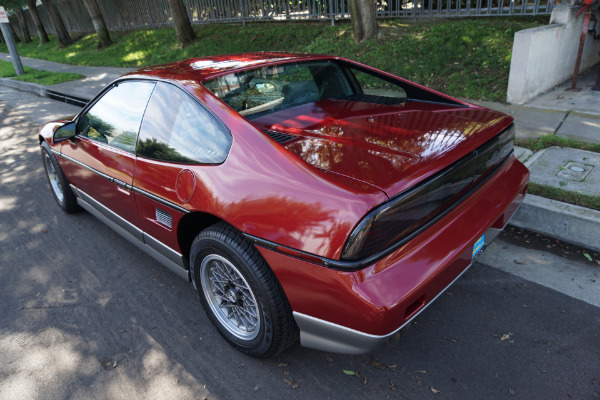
{"type": "Point", "coordinates": [462, 57]}
{"type": "Point", "coordinates": [551, 140]}
{"type": "Point", "coordinates": [7, 70]}
{"type": "Point", "coordinates": [565, 196]}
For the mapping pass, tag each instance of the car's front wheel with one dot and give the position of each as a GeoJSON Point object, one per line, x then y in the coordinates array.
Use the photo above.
{"type": "Point", "coordinates": [240, 293]}
{"type": "Point", "coordinates": [58, 181]}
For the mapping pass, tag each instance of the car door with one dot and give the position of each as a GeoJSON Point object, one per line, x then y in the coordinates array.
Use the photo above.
{"type": "Point", "coordinates": [102, 155]}
{"type": "Point", "coordinates": [177, 136]}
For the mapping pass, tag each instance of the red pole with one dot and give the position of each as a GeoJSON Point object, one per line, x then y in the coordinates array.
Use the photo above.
{"type": "Point", "coordinates": [586, 22]}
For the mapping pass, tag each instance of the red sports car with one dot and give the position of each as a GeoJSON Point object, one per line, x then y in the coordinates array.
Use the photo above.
{"type": "Point", "coordinates": [301, 194]}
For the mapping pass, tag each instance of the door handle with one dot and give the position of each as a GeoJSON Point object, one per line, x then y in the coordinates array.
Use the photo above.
{"type": "Point", "coordinates": [122, 186]}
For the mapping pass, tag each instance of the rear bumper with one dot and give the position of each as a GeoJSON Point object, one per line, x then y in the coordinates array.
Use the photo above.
{"type": "Point", "coordinates": [354, 312]}
{"type": "Point", "coordinates": [326, 336]}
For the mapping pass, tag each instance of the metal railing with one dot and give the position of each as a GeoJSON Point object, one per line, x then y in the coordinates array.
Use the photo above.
{"type": "Point", "coordinates": [133, 14]}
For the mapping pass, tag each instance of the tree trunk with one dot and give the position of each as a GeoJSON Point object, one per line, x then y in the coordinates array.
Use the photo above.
{"type": "Point", "coordinates": [99, 24]}
{"type": "Point", "coordinates": [41, 31]}
{"type": "Point", "coordinates": [23, 24]}
{"type": "Point", "coordinates": [364, 19]}
{"type": "Point", "coordinates": [183, 27]}
{"type": "Point", "coordinates": [64, 39]}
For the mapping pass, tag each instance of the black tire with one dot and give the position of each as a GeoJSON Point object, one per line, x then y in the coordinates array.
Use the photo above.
{"type": "Point", "coordinates": [240, 292]}
{"type": "Point", "coordinates": [59, 185]}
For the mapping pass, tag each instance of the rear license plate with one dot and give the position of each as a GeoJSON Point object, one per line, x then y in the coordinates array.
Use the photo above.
{"type": "Point", "coordinates": [478, 246]}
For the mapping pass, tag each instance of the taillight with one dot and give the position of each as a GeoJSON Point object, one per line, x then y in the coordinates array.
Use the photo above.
{"type": "Point", "coordinates": [400, 218]}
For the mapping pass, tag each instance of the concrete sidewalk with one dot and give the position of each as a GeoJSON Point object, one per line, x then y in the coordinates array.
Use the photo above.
{"type": "Point", "coordinates": [567, 114]}
{"type": "Point", "coordinates": [574, 115]}
{"type": "Point", "coordinates": [96, 78]}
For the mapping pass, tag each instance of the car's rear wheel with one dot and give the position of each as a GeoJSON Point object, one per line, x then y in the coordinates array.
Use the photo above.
{"type": "Point", "coordinates": [240, 293]}
{"type": "Point", "coordinates": [58, 181]}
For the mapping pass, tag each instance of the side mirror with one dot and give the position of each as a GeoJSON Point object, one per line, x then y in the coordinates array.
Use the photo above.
{"type": "Point", "coordinates": [65, 132]}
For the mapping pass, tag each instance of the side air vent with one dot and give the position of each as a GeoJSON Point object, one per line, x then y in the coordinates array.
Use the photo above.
{"type": "Point", "coordinates": [280, 138]}
{"type": "Point", "coordinates": [164, 218]}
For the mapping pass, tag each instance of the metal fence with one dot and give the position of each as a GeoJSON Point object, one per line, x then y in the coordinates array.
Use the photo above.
{"type": "Point", "coordinates": [132, 14]}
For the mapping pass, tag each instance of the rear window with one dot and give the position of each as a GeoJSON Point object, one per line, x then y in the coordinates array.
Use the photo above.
{"type": "Point", "coordinates": [260, 91]}
{"type": "Point", "coordinates": [264, 90]}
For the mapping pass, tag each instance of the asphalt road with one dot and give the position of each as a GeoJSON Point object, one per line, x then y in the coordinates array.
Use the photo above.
{"type": "Point", "coordinates": [85, 315]}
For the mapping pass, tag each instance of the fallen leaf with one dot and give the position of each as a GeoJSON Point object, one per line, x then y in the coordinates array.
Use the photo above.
{"type": "Point", "coordinates": [434, 390]}
{"type": "Point", "coordinates": [586, 255]}
{"type": "Point", "coordinates": [287, 381]}
{"type": "Point", "coordinates": [286, 372]}
{"type": "Point", "coordinates": [378, 365]}
{"type": "Point", "coordinates": [452, 340]}
{"type": "Point", "coordinates": [348, 372]}
{"type": "Point", "coordinates": [512, 392]}
{"type": "Point", "coordinates": [505, 336]}
{"type": "Point", "coordinates": [282, 365]}
{"type": "Point", "coordinates": [46, 231]}
{"type": "Point", "coordinates": [329, 358]}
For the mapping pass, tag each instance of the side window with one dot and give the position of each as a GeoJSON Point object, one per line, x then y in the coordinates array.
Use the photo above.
{"type": "Point", "coordinates": [375, 86]}
{"type": "Point", "coordinates": [115, 118]}
{"type": "Point", "coordinates": [178, 129]}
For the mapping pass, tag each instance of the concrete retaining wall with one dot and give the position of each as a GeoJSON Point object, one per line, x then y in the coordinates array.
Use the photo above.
{"type": "Point", "coordinates": [544, 57]}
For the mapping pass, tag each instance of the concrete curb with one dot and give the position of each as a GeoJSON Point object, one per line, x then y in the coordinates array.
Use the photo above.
{"type": "Point", "coordinates": [44, 91]}
{"type": "Point", "coordinates": [566, 222]}
{"type": "Point", "coordinates": [35, 88]}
